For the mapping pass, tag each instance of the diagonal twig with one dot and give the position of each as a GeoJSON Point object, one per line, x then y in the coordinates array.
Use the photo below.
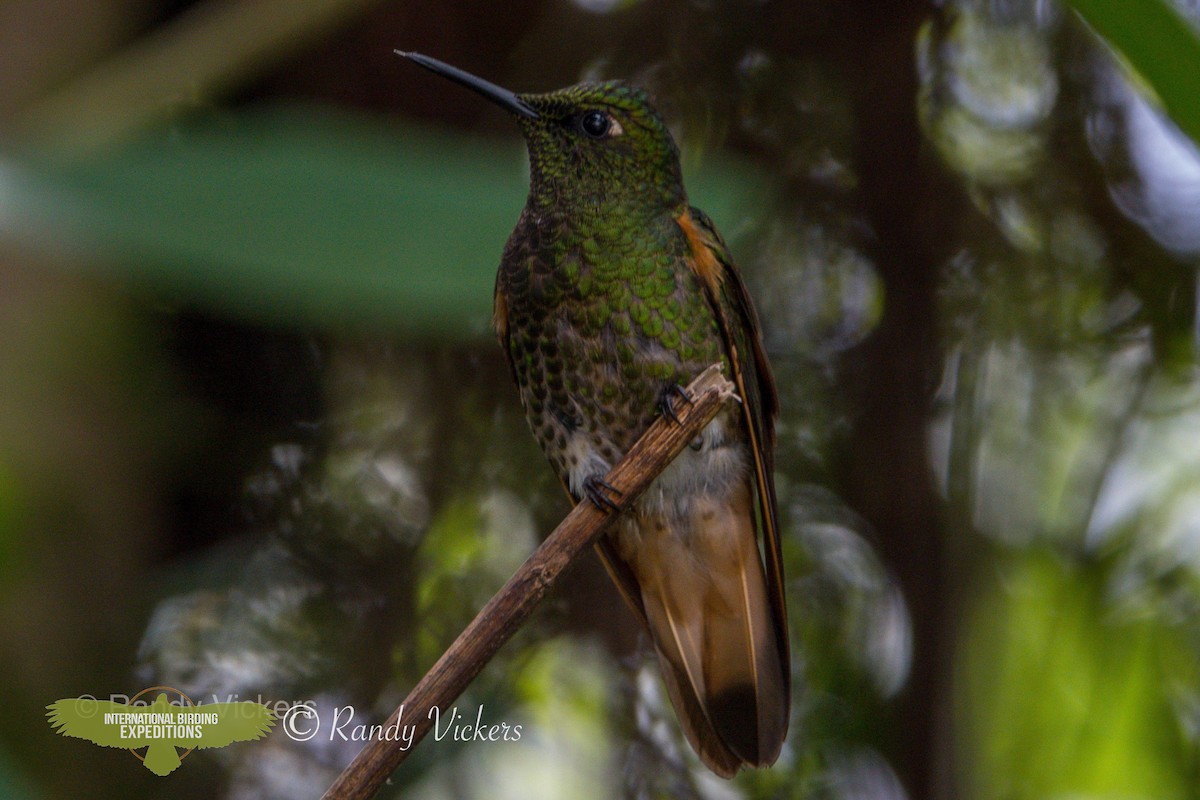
{"type": "Point", "coordinates": [507, 610]}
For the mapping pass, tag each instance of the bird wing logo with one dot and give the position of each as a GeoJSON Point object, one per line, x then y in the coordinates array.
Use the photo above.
{"type": "Point", "coordinates": [162, 727]}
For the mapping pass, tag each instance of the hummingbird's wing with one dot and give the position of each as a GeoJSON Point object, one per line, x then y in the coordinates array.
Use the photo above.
{"type": "Point", "coordinates": [747, 356]}
{"type": "Point", "coordinates": [500, 324]}
{"type": "Point", "coordinates": [513, 252]}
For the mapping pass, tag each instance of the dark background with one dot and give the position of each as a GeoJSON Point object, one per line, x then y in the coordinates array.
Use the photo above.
{"type": "Point", "coordinates": [256, 438]}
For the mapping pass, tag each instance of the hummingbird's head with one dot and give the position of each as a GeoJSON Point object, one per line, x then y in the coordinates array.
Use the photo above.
{"type": "Point", "coordinates": [593, 143]}
{"type": "Point", "coordinates": [603, 141]}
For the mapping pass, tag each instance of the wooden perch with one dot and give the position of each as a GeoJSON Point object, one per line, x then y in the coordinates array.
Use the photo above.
{"type": "Point", "coordinates": [508, 608]}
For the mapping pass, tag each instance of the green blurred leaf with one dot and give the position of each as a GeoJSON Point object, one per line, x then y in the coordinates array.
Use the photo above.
{"type": "Point", "coordinates": [302, 214]}
{"type": "Point", "coordinates": [1063, 696]}
{"type": "Point", "coordinates": [1160, 45]}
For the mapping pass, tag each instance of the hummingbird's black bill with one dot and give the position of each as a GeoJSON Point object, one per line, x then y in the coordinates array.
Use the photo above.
{"type": "Point", "coordinates": [501, 97]}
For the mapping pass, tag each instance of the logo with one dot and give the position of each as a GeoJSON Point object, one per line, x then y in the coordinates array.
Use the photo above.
{"type": "Point", "coordinates": [162, 727]}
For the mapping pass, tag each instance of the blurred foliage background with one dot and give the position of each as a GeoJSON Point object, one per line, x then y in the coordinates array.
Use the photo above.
{"type": "Point", "coordinates": [256, 438]}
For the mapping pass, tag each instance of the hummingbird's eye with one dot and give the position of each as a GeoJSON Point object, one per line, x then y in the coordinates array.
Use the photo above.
{"type": "Point", "coordinates": [596, 124]}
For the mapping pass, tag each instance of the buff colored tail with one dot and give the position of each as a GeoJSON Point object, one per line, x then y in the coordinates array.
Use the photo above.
{"type": "Point", "coordinates": [704, 594]}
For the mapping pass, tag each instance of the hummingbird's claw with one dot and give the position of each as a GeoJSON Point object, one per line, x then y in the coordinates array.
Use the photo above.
{"type": "Point", "coordinates": [667, 407]}
{"type": "Point", "coordinates": [594, 488]}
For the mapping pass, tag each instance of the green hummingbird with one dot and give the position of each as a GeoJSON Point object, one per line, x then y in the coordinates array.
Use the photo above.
{"type": "Point", "coordinates": [612, 292]}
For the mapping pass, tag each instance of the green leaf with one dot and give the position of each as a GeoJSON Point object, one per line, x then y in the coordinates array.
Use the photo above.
{"type": "Point", "coordinates": [1160, 45]}
{"type": "Point", "coordinates": [301, 215]}
{"type": "Point", "coordinates": [1063, 695]}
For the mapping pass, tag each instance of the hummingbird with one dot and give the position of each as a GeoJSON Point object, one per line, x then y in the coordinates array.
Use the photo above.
{"type": "Point", "coordinates": [612, 292]}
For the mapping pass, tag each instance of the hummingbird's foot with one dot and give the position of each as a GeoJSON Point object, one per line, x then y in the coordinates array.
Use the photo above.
{"type": "Point", "coordinates": [594, 488]}
{"type": "Point", "coordinates": [666, 407]}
